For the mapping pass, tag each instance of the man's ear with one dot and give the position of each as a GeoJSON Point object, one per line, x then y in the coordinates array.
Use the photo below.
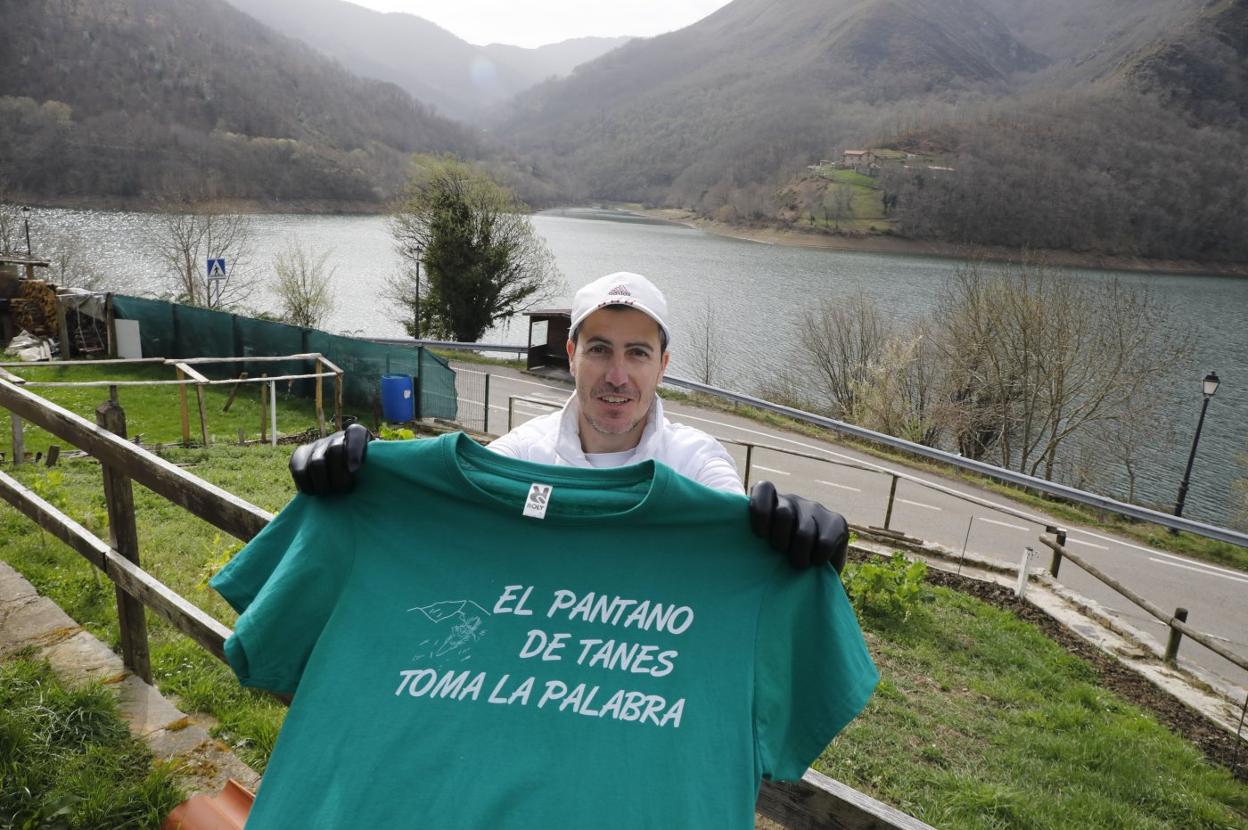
{"type": "Point", "coordinates": [571, 353]}
{"type": "Point", "coordinates": [666, 357]}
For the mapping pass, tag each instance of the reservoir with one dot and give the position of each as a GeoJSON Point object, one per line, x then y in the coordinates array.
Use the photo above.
{"type": "Point", "coordinates": [757, 294]}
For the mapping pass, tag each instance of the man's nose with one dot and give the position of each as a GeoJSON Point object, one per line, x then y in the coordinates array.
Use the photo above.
{"type": "Point", "coordinates": [616, 376]}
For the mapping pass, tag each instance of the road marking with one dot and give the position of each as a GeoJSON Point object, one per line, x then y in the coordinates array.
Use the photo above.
{"type": "Point", "coordinates": [1003, 524]}
{"type": "Point", "coordinates": [834, 484]}
{"type": "Point", "coordinates": [921, 504]}
{"type": "Point", "coordinates": [770, 470]}
{"type": "Point", "coordinates": [1089, 544]}
{"type": "Point", "coordinates": [1155, 552]}
{"type": "Point", "coordinates": [1196, 569]}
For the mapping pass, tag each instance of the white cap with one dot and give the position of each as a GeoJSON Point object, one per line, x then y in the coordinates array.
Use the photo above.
{"type": "Point", "coordinates": [621, 288]}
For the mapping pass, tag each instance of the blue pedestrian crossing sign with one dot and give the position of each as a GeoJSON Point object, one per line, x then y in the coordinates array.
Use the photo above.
{"type": "Point", "coordinates": [216, 269]}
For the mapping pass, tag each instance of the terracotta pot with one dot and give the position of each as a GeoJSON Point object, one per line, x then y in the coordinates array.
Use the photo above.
{"type": "Point", "coordinates": [226, 811]}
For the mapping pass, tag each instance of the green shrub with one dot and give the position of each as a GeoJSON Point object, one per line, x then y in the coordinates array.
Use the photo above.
{"type": "Point", "coordinates": [890, 588]}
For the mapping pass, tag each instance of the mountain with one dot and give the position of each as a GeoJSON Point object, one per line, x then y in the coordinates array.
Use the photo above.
{"type": "Point", "coordinates": [1110, 126]}
{"type": "Point", "coordinates": [432, 64]}
{"type": "Point", "coordinates": [756, 85]}
{"type": "Point", "coordinates": [138, 98]}
{"type": "Point", "coordinates": [1203, 67]}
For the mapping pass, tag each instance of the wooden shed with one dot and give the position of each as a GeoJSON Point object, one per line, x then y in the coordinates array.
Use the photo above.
{"type": "Point", "coordinates": [548, 338]}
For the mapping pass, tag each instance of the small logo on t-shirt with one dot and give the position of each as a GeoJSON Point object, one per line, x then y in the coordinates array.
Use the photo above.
{"type": "Point", "coordinates": [537, 501]}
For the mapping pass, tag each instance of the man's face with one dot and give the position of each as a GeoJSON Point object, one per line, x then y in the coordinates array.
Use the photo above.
{"type": "Point", "coordinates": [617, 364]}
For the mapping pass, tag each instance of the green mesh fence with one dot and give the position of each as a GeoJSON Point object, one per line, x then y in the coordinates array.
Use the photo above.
{"type": "Point", "coordinates": [180, 331]}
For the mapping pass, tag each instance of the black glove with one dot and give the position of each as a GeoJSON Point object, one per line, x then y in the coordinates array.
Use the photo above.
{"type": "Point", "coordinates": [327, 466]}
{"type": "Point", "coordinates": [804, 530]}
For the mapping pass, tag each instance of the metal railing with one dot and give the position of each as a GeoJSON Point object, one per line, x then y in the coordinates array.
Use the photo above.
{"type": "Point", "coordinates": [451, 345]}
{"type": "Point", "coordinates": [1051, 488]}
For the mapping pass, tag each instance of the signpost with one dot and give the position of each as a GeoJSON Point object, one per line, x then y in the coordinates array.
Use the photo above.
{"type": "Point", "coordinates": [216, 279]}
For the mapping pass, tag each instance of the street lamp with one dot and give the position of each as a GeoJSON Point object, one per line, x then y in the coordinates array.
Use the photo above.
{"type": "Point", "coordinates": [1210, 387]}
{"type": "Point", "coordinates": [26, 222]}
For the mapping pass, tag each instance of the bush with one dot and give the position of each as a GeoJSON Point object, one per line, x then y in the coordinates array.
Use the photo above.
{"type": "Point", "coordinates": [891, 588]}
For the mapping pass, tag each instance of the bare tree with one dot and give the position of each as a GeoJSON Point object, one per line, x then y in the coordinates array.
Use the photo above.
{"type": "Point", "coordinates": [185, 240]}
{"type": "Point", "coordinates": [1034, 356]}
{"type": "Point", "coordinates": [841, 341]}
{"type": "Point", "coordinates": [705, 348]}
{"type": "Point", "coordinates": [304, 285]}
{"type": "Point", "coordinates": [838, 205]}
{"type": "Point", "coordinates": [897, 393]}
{"type": "Point", "coordinates": [70, 265]}
{"type": "Point", "coordinates": [10, 221]}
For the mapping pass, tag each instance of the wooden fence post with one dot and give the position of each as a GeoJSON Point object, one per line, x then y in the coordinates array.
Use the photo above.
{"type": "Point", "coordinates": [62, 330]}
{"type": "Point", "coordinates": [264, 406]}
{"type": "Point", "coordinates": [1176, 636]}
{"type": "Point", "coordinates": [124, 538]}
{"type": "Point", "coordinates": [888, 512]}
{"type": "Point", "coordinates": [186, 420]}
{"type": "Point", "coordinates": [19, 440]}
{"type": "Point", "coordinates": [338, 400]}
{"type": "Point", "coordinates": [320, 399]}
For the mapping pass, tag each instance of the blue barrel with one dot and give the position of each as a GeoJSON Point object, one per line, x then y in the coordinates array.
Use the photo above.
{"type": "Point", "coordinates": [396, 398]}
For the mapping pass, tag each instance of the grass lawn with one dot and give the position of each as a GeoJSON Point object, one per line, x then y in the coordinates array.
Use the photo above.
{"type": "Point", "coordinates": [68, 761]}
{"type": "Point", "coordinates": [981, 721]}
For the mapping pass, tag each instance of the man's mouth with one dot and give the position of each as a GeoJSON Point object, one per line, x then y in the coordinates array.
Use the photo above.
{"type": "Point", "coordinates": [614, 400]}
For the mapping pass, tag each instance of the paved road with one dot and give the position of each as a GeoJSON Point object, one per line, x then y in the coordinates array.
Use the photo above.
{"type": "Point", "coordinates": [857, 485]}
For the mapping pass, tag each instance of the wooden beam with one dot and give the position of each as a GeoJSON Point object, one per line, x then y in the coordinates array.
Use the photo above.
{"type": "Point", "coordinates": [10, 377]}
{"type": "Point", "coordinates": [124, 538]}
{"type": "Point", "coordinates": [818, 802]}
{"type": "Point", "coordinates": [218, 507]}
{"type": "Point", "coordinates": [140, 584]}
{"type": "Point", "coordinates": [102, 362]}
{"type": "Point", "coordinates": [234, 392]}
{"type": "Point", "coordinates": [278, 358]}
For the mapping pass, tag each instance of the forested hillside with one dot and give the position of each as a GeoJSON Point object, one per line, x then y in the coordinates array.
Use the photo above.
{"type": "Point", "coordinates": [459, 79]}
{"type": "Point", "coordinates": [1108, 126]}
{"type": "Point", "coordinates": [143, 99]}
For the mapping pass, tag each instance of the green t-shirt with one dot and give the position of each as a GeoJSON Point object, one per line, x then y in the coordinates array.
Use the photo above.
{"type": "Point", "coordinates": [629, 655]}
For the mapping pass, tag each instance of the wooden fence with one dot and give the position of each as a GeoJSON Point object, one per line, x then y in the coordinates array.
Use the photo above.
{"type": "Point", "coordinates": [186, 374]}
{"type": "Point", "coordinates": [816, 801]}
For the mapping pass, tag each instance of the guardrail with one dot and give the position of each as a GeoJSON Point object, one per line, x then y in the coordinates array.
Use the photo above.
{"type": "Point", "coordinates": [1062, 491]}
{"type": "Point", "coordinates": [816, 801]}
{"type": "Point", "coordinates": [451, 345]}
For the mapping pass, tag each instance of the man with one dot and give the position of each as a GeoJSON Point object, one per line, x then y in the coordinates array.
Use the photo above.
{"type": "Point", "coordinates": [617, 352]}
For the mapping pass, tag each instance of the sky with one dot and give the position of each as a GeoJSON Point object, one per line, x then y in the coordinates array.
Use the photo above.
{"type": "Point", "coordinates": [538, 22]}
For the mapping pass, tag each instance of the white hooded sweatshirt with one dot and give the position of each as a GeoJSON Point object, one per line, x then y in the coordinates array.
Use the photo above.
{"type": "Point", "coordinates": [555, 439]}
